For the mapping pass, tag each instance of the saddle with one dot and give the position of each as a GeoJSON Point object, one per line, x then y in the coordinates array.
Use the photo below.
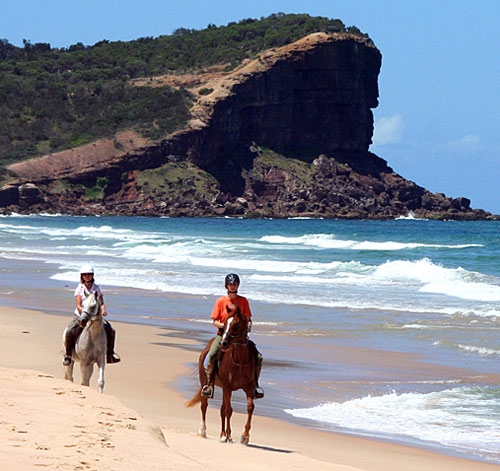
{"type": "Point", "coordinates": [220, 355]}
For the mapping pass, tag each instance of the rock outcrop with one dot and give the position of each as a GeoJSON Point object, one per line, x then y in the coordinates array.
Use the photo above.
{"type": "Point", "coordinates": [284, 135]}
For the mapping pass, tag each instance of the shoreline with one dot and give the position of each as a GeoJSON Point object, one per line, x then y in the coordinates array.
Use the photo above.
{"type": "Point", "coordinates": [144, 382]}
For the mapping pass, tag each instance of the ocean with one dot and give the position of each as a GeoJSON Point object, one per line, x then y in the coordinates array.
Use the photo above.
{"type": "Point", "coordinates": [382, 329]}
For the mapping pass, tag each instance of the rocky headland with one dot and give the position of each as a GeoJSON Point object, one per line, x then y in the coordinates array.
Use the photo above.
{"type": "Point", "coordinates": [284, 135]}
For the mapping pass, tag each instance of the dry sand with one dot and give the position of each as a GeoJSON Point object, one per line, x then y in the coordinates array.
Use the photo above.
{"type": "Point", "coordinates": [141, 422]}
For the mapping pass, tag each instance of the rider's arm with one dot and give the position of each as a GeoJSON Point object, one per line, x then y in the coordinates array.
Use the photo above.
{"type": "Point", "coordinates": [248, 313]}
{"type": "Point", "coordinates": [216, 314]}
{"type": "Point", "coordinates": [218, 324]}
{"type": "Point", "coordinates": [78, 300]}
{"type": "Point", "coordinates": [104, 312]}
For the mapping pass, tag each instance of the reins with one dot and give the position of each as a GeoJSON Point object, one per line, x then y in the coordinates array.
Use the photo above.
{"type": "Point", "coordinates": [233, 337]}
{"type": "Point", "coordinates": [87, 316]}
{"type": "Point", "coordinates": [229, 339]}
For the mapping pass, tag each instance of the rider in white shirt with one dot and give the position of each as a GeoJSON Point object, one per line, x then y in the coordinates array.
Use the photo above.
{"type": "Point", "coordinates": [85, 288]}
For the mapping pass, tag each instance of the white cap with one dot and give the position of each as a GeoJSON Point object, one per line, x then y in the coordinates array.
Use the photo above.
{"type": "Point", "coordinates": [87, 268]}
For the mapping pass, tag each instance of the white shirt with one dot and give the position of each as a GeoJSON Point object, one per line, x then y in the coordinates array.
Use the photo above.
{"type": "Point", "coordinates": [84, 292]}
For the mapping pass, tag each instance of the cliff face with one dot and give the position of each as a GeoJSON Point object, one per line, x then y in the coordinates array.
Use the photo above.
{"type": "Point", "coordinates": [313, 96]}
{"type": "Point", "coordinates": [284, 135]}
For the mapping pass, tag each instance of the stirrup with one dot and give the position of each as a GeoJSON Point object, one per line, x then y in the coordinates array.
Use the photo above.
{"type": "Point", "coordinates": [67, 360]}
{"type": "Point", "coordinates": [258, 393]}
{"type": "Point", "coordinates": [207, 391]}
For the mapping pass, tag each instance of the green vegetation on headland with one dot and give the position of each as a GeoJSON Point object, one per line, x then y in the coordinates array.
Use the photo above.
{"type": "Point", "coordinates": [58, 98]}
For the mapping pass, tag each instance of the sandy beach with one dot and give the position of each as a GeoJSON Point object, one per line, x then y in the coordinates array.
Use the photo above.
{"type": "Point", "coordinates": [141, 422]}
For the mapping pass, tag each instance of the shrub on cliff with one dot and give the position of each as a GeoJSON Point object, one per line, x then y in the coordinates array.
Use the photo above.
{"type": "Point", "coordinates": [52, 99]}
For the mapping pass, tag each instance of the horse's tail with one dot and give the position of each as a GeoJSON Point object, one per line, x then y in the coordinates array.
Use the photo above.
{"type": "Point", "coordinates": [196, 399]}
{"type": "Point", "coordinates": [202, 375]}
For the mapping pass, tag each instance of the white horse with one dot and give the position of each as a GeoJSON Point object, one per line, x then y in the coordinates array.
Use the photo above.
{"type": "Point", "coordinates": [91, 345]}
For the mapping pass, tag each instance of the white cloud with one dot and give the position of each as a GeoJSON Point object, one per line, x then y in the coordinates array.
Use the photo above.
{"type": "Point", "coordinates": [388, 130]}
{"type": "Point", "coordinates": [469, 144]}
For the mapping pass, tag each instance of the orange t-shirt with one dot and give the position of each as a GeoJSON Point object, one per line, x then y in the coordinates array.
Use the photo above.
{"type": "Point", "coordinates": [219, 312]}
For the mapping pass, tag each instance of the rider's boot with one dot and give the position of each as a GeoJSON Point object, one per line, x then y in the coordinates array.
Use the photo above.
{"type": "Point", "coordinates": [208, 389]}
{"type": "Point", "coordinates": [111, 356]}
{"type": "Point", "coordinates": [259, 392]}
{"type": "Point", "coordinates": [69, 344]}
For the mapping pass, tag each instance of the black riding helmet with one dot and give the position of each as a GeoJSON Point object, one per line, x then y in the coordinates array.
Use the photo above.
{"type": "Point", "coordinates": [232, 278]}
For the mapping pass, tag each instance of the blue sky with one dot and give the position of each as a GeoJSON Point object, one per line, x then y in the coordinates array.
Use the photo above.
{"type": "Point", "coordinates": [438, 121]}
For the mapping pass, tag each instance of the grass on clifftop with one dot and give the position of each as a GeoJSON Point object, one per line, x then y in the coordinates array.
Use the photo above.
{"type": "Point", "coordinates": [59, 98]}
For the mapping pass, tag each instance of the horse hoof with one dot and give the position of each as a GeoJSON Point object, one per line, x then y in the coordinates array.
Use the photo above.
{"type": "Point", "coordinates": [245, 440]}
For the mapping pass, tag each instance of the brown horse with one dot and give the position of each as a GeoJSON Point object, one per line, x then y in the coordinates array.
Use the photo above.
{"type": "Point", "coordinates": [236, 370]}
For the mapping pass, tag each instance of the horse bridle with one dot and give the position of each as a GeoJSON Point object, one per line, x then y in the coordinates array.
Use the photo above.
{"type": "Point", "coordinates": [225, 343]}
{"type": "Point", "coordinates": [86, 316]}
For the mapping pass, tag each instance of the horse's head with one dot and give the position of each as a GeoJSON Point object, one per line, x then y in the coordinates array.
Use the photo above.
{"type": "Point", "coordinates": [235, 330]}
{"type": "Point", "coordinates": [91, 309]}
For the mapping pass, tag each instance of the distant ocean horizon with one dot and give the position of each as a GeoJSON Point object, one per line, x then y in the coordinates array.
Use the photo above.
{"type": "Point", "coordinates": [383, 329]}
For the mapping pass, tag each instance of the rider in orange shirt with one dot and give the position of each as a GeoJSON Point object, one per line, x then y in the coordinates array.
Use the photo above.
{"type": "Point", "coordinates": [224, 308]}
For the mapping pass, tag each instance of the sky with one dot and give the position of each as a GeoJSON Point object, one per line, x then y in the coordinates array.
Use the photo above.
{"type": "Point", "coordinates": [438, 119]}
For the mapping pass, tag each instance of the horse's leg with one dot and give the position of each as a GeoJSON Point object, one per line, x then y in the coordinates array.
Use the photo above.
{"type": "Point", "coordinates": [68, 371]}
{"type": "Point", "coordinates": [226, 411]}
{"type": "Point", "coordinates": [202, 431]}
{"type": "Point", "coordinates": [100, 379]}
{"type": "Point", "coordinates": [222, 436]}
{"type": "Point", "coordinates": [86, 371]}
{"type": "Point", "coordinates": [245, 438]}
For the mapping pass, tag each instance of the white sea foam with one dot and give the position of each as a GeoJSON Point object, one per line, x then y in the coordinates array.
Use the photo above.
{"type": "Point", "coordinates": [395, 286]}
{"type": "Point", "coordinates": [464, 290]}
{"type": "Point", "coordinates": [480, 350]}
{"type": "Point", "coordinates": [328, 241]}
{"type": "Point", "coordinates": [455, 282]}
{"type": "Point", "coordinates": [448, 417]}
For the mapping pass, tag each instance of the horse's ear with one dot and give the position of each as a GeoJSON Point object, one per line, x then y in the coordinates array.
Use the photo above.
{"type": "Point", "coordinates": [233, 310]}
